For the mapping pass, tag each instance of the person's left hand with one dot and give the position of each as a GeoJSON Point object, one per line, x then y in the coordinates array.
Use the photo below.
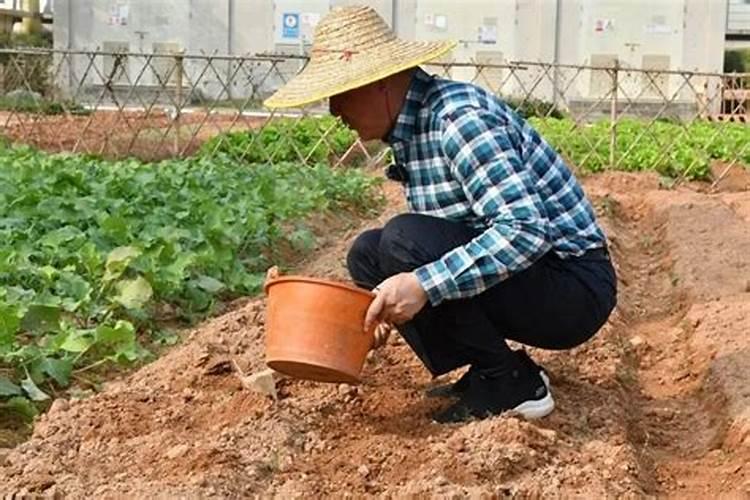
{"type": "Point", "coordinates": [398, 299]}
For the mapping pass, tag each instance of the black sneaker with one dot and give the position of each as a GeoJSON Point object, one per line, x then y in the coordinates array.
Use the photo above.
{"type": "Point", "coordinates": [532, 365]}
{"type": "Point", "coordinates": [455, 389]}
{"type": "Point", "coordinates": [451, 390]}
{"type": "Point", "coordinates": [520, 391]}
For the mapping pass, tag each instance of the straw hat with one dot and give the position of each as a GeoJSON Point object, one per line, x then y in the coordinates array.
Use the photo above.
{"type": "Point", "coordinates": [353, 46]}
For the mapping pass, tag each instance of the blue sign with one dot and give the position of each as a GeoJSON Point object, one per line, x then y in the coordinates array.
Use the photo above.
{"type": "Point", "coordinates": [290, 24]}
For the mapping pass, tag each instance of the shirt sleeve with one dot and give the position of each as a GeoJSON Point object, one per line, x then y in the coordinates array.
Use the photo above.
{"type": "Point", "coordinates": [483, 152]}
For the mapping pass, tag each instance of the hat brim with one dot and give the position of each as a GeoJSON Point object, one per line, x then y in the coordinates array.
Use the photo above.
{"type": "Point", "coordinates": [329, 76]}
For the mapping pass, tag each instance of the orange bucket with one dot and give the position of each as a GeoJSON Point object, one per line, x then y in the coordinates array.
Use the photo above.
{"type": "Point", "coordinates": [315, 329]}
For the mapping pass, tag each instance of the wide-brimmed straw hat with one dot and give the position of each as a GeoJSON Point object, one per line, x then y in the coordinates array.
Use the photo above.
{"type": "Point", "coordinates": [352, 46]}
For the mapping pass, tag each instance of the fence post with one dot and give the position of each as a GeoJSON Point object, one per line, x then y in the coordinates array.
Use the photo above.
{"type": "Point", "coordinates": [178, 101]}
{"type": "Point", "coordinates": [613, 114]}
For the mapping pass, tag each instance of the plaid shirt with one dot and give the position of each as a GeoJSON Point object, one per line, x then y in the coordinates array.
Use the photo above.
{"type": "Point", "coordinates": [470, 158]}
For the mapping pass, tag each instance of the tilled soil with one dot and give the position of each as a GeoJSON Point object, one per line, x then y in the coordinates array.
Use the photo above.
{"type": "Point", "coordinates": [656, 404]}
{"type": "Point", "coordinates": [152, 135]}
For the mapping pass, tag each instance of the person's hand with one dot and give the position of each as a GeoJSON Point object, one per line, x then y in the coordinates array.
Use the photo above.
{"type": "Point", "coordinates": [382, 333]}
{"type": "Point", "coordinates": [272, 273]}
{"type": "Point", "coordinates": [398, 299]}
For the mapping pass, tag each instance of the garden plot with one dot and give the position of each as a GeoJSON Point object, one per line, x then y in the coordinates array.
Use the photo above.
{"type": "Point", "coordinates": [656, 404]}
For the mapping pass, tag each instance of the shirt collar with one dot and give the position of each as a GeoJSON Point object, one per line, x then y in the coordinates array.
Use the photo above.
{"type": "Point", "coordinates": [406, 122]}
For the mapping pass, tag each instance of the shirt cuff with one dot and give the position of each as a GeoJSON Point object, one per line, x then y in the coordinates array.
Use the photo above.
{"type": "Point", "coordinates": [437, 281]}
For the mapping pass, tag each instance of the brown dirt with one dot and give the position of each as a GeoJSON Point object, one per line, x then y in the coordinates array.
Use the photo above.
{"type": "Point", "coordinates": [146, 135]}
{"type": "Point", "coordinates": [656, 404]}
{"type": "Point", "coordinates": [730, 176]}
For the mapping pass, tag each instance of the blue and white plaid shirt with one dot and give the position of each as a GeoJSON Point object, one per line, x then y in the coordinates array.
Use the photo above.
{"type": "Point", "coordinates": [470, 158]}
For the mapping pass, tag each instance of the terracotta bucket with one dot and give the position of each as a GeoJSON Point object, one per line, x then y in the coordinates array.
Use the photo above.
{"type": "Point", "coordinates": [315, 329]}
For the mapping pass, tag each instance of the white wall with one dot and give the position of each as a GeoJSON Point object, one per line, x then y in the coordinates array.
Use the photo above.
{"type": "Point", "coordinates": [685, 34]}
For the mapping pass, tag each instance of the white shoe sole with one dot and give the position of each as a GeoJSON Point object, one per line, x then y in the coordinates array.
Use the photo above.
{"type": "Point", "coordinates": [545, 378]}
{"type": "Point", "coordinates": [536, 408]}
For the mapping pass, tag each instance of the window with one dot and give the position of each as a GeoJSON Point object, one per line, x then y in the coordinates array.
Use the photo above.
{"type": "Point", "coordinates": [601, 79]}
{"type": "Point", "coordinates": [115, 63]}
{"type": "Point", "coordinates": [165, 68]}
{"type": "Point", "coordinates": [490, 78]}
{"type": "Point", "coordinates": [654, 83]}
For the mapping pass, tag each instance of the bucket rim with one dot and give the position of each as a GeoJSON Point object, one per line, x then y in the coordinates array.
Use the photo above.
{"type": "Point", "coordinates": [316, 281]}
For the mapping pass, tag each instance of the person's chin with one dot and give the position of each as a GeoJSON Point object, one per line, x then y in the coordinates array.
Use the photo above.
{"type": "Point", "coordinates": [367, 135]}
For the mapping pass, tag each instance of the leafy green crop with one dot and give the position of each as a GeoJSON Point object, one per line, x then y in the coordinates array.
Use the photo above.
{"type": "Point", "coordinates": [93, 253]}
{"type": "Point", "coordinates": [285, 139]}
{"type": "Point", "coordinates": [668, 148]}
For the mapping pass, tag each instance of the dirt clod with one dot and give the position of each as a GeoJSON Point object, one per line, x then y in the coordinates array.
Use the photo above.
{"type": "Point", "coordinates": [177, 451]}
{"type": "Point", "coordinates": [263, 382]}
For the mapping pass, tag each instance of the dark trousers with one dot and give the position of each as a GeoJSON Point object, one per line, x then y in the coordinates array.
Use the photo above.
{"type": "Point", "coordinates": [554, 304]}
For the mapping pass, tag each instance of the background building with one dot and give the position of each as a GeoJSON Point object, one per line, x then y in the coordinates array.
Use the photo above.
{"type": "Point", "coordinates": [738, 24]}
{"type": "Point", "coordinates": [657, 35]}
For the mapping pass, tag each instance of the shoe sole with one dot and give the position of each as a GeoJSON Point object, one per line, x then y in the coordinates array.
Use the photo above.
{"type": "Point", "coordinates": [444, 391]}
{"type": "Point", "coordinates": [536, 408]}
{"type": "Point", "coordinates": [545, 378]}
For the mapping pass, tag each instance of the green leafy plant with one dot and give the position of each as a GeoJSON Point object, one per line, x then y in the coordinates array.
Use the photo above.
{"type": "Point", "coordinates": [528, 107]}
{"type": "Point", "coordinates": [311, 139]}
{"type": "Point", "coordinates": [671, 149]}
{"type": "Point", "coordinates": [95, 253]}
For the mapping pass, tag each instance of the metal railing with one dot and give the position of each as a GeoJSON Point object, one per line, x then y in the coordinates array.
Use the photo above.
{"type": "Point", "coordinates": [160, 105]}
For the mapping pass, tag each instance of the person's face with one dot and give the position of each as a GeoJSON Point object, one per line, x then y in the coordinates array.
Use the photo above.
{"type": "Point", "coordinates": [364, 109]}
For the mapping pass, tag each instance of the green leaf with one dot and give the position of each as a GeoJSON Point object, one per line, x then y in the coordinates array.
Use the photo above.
{"type": "Point", "coordinates": [59, 236]}
{"type": "Point", "coordinates": [10, 320]}
{"type": "Point", "coordinates": [209, 284]}
{"type": "Point", "coordinates": [116, 227]}
{"type": "Point", "coordinates": [74, 286]}
{"type": "Point", "coordinates": [42, 319]}
{"type": "Point", "coordinates": [58, 369]}
{"type": "Point", "coordinates": [251, 282]}
{"type": "Point", "coordinates": [21, 406]}
{"type": "Point", "coordinates": [118, 260]}
{"type": "Point", "coordinates": [134, 294]}
{"type": "Point", "coordinates": [90, 258]}
{"type": "Point", "coordinates": [122, 333]}
{"type": "Point", "coordinates": [34, 392]}
{"type": "Point", "coordinates": [48, 272]}
{"type": "Point", "coordinates": [8, 388]}
{"type": "Point", "coordinates": [77, 341]}
{"type": "Point", "coordinates": [302, 239]}
{"type": "Point", "coordinates": [165, 337]}
{"type": "Point", "coordinates": [75, 289]}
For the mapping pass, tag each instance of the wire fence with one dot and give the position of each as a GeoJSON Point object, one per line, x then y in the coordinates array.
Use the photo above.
{"type": "Point", "coordinates": [170, 104]}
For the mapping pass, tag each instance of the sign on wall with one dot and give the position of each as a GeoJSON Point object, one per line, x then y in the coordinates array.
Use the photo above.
{"type": "Point", "coordinates": [118, 14]}
{"type": "Point", "coordinates": [602, 25]}
{"type": "Point", "coordinates": [290, 25]}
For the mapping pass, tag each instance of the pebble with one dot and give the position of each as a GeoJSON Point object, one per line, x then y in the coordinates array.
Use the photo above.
{"type": "Point", "coordinates": [262, 382]}
{"type": "Point", "coordinates": [177, 451]}
{"type": "Point", "coordinates": [456, 443]}
{"type": "Point", "coordinates": [285, 464]}
{"type": "Point", "coordinates": [348, 390]}
{"type": "Point", "coordinates": [363, 471]}
{"type": "Point", "coordinates": [59, 405]}
{"type": "Point", "coordinates": [637, 340]}
{"type": "Point", "coordinates": [550, 434]}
